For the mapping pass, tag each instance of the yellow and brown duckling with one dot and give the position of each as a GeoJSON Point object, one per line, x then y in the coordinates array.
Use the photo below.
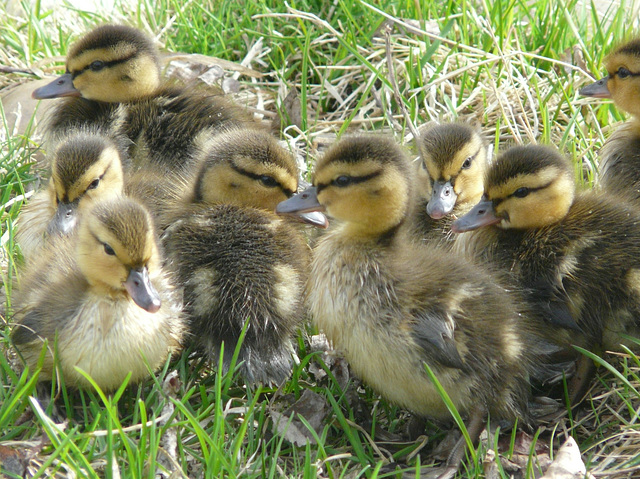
{"type": "Point", "coordinates": [453, 158]}
{"type": "Point", "coordinates": [578, 254]}
{"type": "Point", "coordinates": [391, 304]}
{"type": "Point", "coordinates": [241, 266]}
{"type": "Point", "coordinates": [113, 82]}
{"type": "Point", "coordinates": [87, 167]}
{"type": "Point", "coordinates": [619, 158]}
{"type": "Point", "coordinates": [100, 299]}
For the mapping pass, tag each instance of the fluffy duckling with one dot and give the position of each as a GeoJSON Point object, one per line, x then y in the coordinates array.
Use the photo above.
{"type": "Point", "coordinates": [87, 167]}
{"type": "Point", "coordinates": [619, 158]}
{"type": "Point", "coordinates": [237, 261]}
{"type": "Point", "coordinates": [390, 304]}
{"type": "Point", "coordinates": [578, 254]}
{"type": "Point", "coordinates": [453, 159]}
{"type": "Point", "coordinates": [100, 299]}
{"type": "Point", "coordinates": [113, 81]}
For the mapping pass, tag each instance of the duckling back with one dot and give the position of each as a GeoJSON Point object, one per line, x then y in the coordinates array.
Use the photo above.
{"type": "Point", "coordinates": [241, 266]}
{"type": "Point", "coordinates": [99, 300]}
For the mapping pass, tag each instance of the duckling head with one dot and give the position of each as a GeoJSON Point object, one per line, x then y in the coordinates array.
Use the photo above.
{"type": "Point", "coordinates": [117, 251]}
{"type": "Point", "coordinates": [111, 63]}
{"type": "Point", "coordinates": [454, 156]}
{"type": "Point", "coordinates": [363, 181]}
{"type": "Point", "coordinates": [527, 187]}
{"type": "Point", "coordinates": [247, 168]}
{"type": "Point", "coordinates": [86, 167]}
{"type": "Point", "coordinates": [622, 84]}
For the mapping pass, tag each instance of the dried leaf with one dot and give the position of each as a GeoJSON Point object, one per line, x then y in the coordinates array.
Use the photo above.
{"type": "Point", "coordinates": [312, 407]}
{"type": "Point", "coordinates": [568, 463]}
{"type": "Point", "coordinates": [13, 461]}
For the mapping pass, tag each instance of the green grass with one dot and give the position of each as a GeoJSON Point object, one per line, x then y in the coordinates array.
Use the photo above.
{"type": "Point", "coordinates": [512, 67]}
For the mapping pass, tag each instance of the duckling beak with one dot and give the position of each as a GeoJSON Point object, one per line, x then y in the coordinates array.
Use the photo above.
{"type": "Point", "coordinates": [597, 89]}
{"type": "Point", "coordinates": [141, 290]}
{"type": "Point", "coordinates": [61, 86]}
{"type": "Point", "coordinates": [442, 200]}
{"type": "Point", "coordinates": [305, 207]}
{"type": "Point", "coordinates": [480, 215]}
{"type": "Point", "coordinates": [64, 220]}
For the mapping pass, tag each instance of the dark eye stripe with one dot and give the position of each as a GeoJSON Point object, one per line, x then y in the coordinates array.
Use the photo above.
{"type": "Point", "coordinates": [354, 180]}
{"type": "Point", "coordinates": [105, 65]}
{"type": "Point", "coordinates": [257, 177]}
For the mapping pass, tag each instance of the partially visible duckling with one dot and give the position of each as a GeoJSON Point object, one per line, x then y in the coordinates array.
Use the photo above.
{"type": "Point", "coordinates": [87, 167]}
{"type": "Point", "coordinates": [100, 299]}
{"type": "Point", "coordinates": [578, 254]}
{"type": "Point", "coordinates": [453, 157]}
{"type": "Point", "coordinates": [113, 81]}
{"type": "Point", "coordinates": [619, 158]}
{"type": "Point", "coordinates": [238, 262]}
{"type": "Point", "coordinates": [390, 304]}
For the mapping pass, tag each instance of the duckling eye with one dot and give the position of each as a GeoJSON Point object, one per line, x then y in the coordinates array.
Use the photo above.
{"type": "Point", "coordinates": [94, 184]}
{"type": "Point", "coordinates": [97, 66]}
{"type": "Point", "coordinates": [623, 72]}
{"type": "Point", "coordinates": [268, 181]}
{"type": "Point", "coordinates": [109, 250]}
{"type": "Point", "coordinates": [342, 181]}
{"type": "Point", "coordinates": [521, 192]}
{"type": "Point", "coordinates": [467, 163]}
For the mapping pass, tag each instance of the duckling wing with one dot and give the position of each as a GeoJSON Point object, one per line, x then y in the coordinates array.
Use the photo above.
{"type": "Point", "coordinates": [434, 334]}
{"type": "Point", "coordinates": [552, 308]}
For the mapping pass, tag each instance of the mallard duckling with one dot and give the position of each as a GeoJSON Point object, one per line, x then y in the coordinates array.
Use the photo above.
{"type": "Point", "coordinates": [578, 254]}
{"type": "Point", "coordinates": [113, 81]}
{"type": "Point", "coordinates": [453, 158]}
{"type": "Point", "coordinates": [87, 167]}
{"type": "Point", "coordinates": [237, 261]}
{"type": "Point", "coordinates": [390, 304]}
{"type": "Point", "coordinates": [619, 158]}
{"type": "Point", "coordinates": [100, 299]}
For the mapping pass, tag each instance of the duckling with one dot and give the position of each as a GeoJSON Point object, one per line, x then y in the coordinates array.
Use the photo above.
{"type": "Point", "coordinates": [237, 261]}
{"type": "Point", "coordinates": [619, 158]}
{"type": "Point", "coordinates": [453, 160]}
{"type": "Point", "coordinates": [100, 300]}
{"type": "Point", "coordinates": [391, 304]}
{"type": "Point", "coordinates": [113, 81]}
{"type": "Point", "coordinates": [577, 253]}
{"type": "Point", "coordinates": [87, 167]}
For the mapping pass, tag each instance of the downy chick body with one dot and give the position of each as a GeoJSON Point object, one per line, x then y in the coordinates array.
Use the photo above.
{"type": "Point", "coordinates": [100, 300]}
{"type": "Point", "coordinates": [113, 82]}
{"type": "Point", "coordinates": [391, 304]}
{"type": "Point", "coordinates": [241, 266]}
{"type": "Point", "coordinates": [578, 254]}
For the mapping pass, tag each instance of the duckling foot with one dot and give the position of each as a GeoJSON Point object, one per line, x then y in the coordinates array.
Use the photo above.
{"type": "Point", "coordinates": [579, 384]}
{"type": "Point", "coordinates": [476, 425]}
